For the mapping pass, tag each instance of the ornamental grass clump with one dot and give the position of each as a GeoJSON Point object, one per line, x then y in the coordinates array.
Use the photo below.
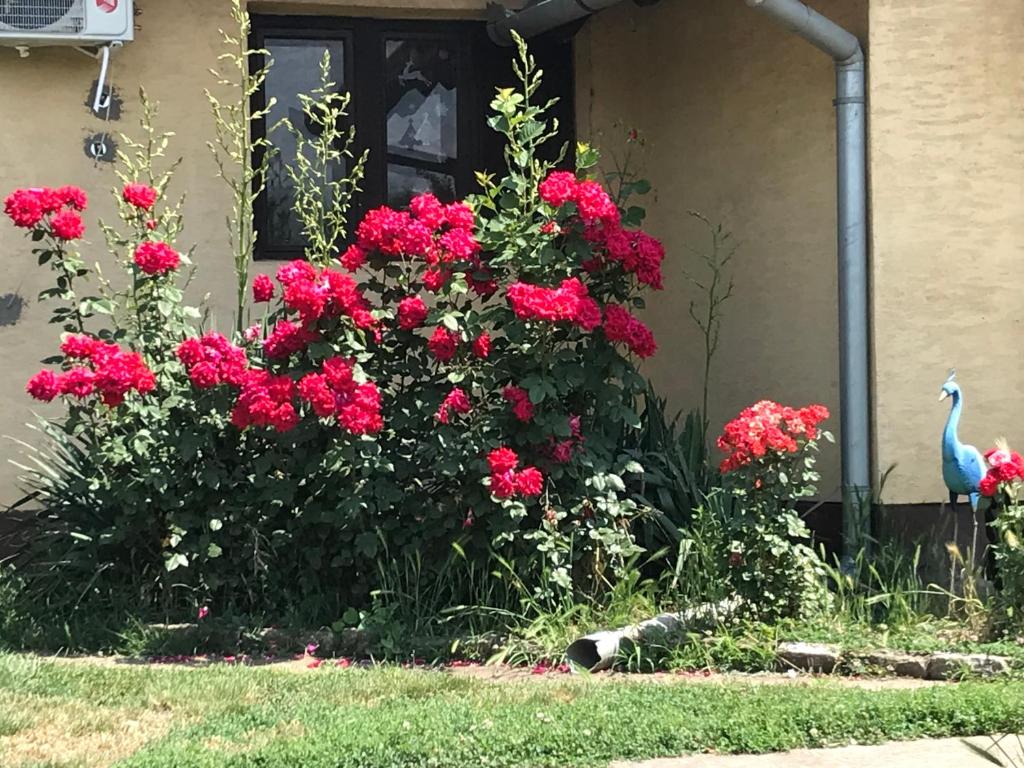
{"type": "Point", "coordinates": [768, 466]}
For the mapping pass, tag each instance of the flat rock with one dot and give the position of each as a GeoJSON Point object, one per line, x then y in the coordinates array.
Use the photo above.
{"type": "Point", "coordinates": [901, 664]}
{"type": "Point", "coordinates": [942, 665]}
{"type": "Point", "coordinates": [810, 657]}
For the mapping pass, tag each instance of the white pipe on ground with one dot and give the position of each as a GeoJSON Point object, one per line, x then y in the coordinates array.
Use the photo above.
{"type": "Point", "coordinates": [599, 650]}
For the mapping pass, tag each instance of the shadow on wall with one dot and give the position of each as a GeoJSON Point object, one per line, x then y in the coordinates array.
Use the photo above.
{"type": "Point", "coordinates": [11, 307]}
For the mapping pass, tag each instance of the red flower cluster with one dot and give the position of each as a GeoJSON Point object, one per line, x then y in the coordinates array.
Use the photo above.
{"type": "Point", "coordinates": [522, 408]}
{"type": "Point", "coordinates": [262, 288]}
{"type": "Point", "coordinates": [637, 252]}
{"type": "Point", "coordinates": [156, 258]}
{"type": "Point", "coordinates": [142, 196]}
{"type": "Point", "coordinates": [456, 401]}
{"type": "Point", "coordinates": [443, 344]}
{"type": "Point", "coordinates": [412, 313]}
{"type": "Point", "coordinates": [335, 392]}
{"type": "Point", "coordinates": [569, 302]}
{"type": "Point", "coordinates": [286, 339]}
{"type": "Point", "coordinates": [27, 208]}
{"type": "Point", "coordinates": [439, 234]}
{"type": "Point", "coordinates": [325, 294]}
{"type": "Point", "coordinates": [111, 371]}
{"type": "Point", "coordinates": [1005, 466]}
{"type": "Point", "coordinates": [620, 325]}
{"type": "Point", "coordinates": [506, 481]}
{"type": "Point", "coordinates": [482, 346]}
{"type": "Point", "coordinates": [430, 231]}
{"type": "Point", "coordinates": [265, 400]}
{"type": "Point", "coordinates": [767, 427]}
{"type": "Point", "coordinates": [213, 360]}
{"type": "Point", "coordinates": [593, 204]}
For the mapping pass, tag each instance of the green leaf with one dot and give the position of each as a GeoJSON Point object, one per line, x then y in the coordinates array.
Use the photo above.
{"type": "Point", "coordinates": [175, 561]}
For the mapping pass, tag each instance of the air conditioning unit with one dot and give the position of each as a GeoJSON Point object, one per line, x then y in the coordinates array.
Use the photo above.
{"type": "Point", "coordinates": [65, 22]}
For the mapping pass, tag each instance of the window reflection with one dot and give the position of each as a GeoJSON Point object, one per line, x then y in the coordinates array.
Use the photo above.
{"type": "Point", "coordinates": [421, 98]}
{"type": "Point", "coordinates": [296, 70]}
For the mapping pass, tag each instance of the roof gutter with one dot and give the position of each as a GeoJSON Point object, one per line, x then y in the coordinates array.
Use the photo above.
{"type": "Point", "coordinates": [854, 366]}
{"type": "Point", "coordinates": [541, 16]}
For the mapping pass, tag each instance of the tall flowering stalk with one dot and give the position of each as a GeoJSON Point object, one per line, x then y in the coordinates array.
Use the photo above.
{"type": "Point", "coordinates": [242, 157]}
{"type": "Point", "coordinates": [327, 172]}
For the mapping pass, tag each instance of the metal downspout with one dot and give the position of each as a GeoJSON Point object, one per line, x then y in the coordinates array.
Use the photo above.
{"type": "Point", "coordinates": [854, 367]}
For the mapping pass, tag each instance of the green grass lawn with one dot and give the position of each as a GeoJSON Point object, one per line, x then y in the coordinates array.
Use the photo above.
{"type": "Point", "coordinates": [66, 715]}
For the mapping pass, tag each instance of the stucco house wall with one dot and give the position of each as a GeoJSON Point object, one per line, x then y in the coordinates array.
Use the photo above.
{"type": "Point", "coordinates": [738, 124]}
{"type": "Point", "coordinates": [947, 180]}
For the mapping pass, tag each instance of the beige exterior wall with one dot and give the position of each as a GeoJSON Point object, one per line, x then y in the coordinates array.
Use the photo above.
{"type": "Point", "coordinates": [738, 124]}
{"type": "Point", "coordinates": [947, 172]}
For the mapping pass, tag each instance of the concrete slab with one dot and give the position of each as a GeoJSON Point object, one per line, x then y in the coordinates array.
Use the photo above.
{"type": "Point", "coordinates": [935, 753]}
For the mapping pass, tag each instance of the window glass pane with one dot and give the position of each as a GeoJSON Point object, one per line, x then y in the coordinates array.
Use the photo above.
{"type": "Point", "coordinates": [405, 182]}
{"type": "Point", "coordinates": [296, 70]}
{"type": "Point", "coordinates": [421, 101]}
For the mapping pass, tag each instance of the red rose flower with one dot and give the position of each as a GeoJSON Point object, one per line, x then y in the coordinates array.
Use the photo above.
{"type": "Point", "coordinates": [43, 386]}
{"type": "Point", "coordinates": [156, 258]}
{"type": "Point", "coordinates": [502, 459]}
{"type": "Point", "coordinates": [72, 197]}
{"type": "Point", "coordinates": [443, 344]}
{"type": "Point", "coordinates": [558, 188]}
{"type": "Point", "coordinates": [522, 408]}
{"type": "Point", "coordinates": [353, 258]}
{"type": "Point", "coordinates": [412, 313]}
{"type": "Point", "coordinates": [482, 345]}
{"type": "Point", "coordinates": [67, 225]}
{"type": "Point", "coordinates": [503, 484]}
{"type": "Point", "coordinates": [262, 288]}
{"type": "Point", "coordinates": [428, 210]}
{"type": "Point", "coordinates": [141, 196]}
{"type": "Point", "coordinates": [456, 401]}
{"type": "Point", "coordinates": [24, 208]}
{"type": "Point", "coordinates": [529, 481]}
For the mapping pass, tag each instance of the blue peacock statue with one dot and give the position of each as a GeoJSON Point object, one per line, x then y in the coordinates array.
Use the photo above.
{"type": "Point", "coordinates": [963, 466]}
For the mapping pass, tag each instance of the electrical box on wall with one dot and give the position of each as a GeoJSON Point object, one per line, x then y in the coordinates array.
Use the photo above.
{"type": "Point", "coordinates": [30, 23]}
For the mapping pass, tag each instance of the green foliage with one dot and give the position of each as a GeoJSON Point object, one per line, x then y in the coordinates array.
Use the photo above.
{"type": "Point", "coordinates": [1009, 561]}
{"type": "Point", "coordinates": [326, 173]}
{"type": "Point", "coordinates": [242, 156]}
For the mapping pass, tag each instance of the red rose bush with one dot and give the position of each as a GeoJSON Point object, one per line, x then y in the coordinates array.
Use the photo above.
{"type": "Point", "coordinates": [769, 464]}
{"type": "Point", "coordinates": [457, 372]}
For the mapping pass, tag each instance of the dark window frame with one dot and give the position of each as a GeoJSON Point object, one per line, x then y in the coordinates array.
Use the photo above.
{"type": "Point", "coordinates": [365, 57]}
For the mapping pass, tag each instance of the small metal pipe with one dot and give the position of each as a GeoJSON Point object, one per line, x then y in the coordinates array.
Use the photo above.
{"type": "Point", "coordinates": [851, 164]}
{"type": "Point", "coordinates": [542, 16]}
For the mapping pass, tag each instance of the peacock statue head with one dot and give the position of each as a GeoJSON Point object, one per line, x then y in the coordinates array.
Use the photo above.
{"type": "Point", "coordinates": [950, 387]}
